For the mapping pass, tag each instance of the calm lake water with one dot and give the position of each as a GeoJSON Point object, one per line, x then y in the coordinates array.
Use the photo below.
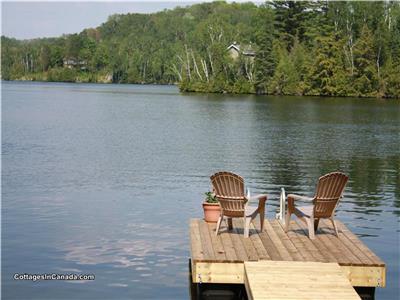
{"type": "Point", "coordinates": [102, 179]}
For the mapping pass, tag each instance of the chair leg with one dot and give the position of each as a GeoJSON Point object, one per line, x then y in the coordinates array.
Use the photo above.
{"type": "Point", "coordinates": [247, 226]}
{"type": "Point", "coordinates": [230, 224]}
{"type": "Point", "coordinates": [334, 226]}
{"type": "Point", "coordinates": [262, 217]}
{"type": "Point", "coordinates": [316, 222]}
{"type": "Point", "coordinates": [310, 225]}
{"type": "Point", "coordinates": [287, 221]}
{"type": "Point", "coordinates": [218, 224]}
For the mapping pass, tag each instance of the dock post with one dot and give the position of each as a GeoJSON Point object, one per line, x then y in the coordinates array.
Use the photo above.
{"type": "Point", "coordinates": [193, 286]}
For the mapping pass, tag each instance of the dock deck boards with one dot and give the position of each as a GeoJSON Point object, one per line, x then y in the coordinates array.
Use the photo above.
{"type": "Point", "coordinates": [220, 259]}
{"type": "Point", "coordinates": [297, 280]}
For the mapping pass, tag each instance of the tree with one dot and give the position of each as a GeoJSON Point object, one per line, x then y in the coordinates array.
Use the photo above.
{"type": "Point", "coordinates": [290, 18]}
{"type": "Point", "coordinates": [264, 60]}
{"type": "Point", "coordinates": [73, 46]}
{"type": "Point", "coordinates": [284, 79]}
{"type": "Point", "coordinates": [391, 79]}
{"type": "Point", "coordinates": [45, 57]}
{"type": "Point", "coordinates": [365, 77]}
{"type": "Point", "coordinates": [327, 74]}
{"type": "Point", "coordinates": [290, 72]}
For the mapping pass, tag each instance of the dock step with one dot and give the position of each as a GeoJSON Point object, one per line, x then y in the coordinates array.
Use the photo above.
{"type": "Point", "coordinates": [296, 280]}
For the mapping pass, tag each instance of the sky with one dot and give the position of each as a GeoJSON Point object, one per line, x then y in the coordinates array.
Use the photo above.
{"type": "Point", "coordinates": [35, 19]}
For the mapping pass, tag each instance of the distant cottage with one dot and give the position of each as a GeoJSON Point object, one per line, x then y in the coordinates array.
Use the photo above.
{"type": "Point", "coordinates": [235, 50]}
{"type": "Point", "coordinates": [73, 63]}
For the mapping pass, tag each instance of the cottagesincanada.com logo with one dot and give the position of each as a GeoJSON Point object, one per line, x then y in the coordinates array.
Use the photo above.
{"type": "Point", "coordinates": [53, 276]}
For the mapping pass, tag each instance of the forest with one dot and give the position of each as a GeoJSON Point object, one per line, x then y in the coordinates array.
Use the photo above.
{"type": "Point", "coordinates": [323, 48]}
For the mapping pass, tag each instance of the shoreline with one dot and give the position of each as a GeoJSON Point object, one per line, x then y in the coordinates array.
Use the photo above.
{"type": "Point", "coordinates": [199, 92]}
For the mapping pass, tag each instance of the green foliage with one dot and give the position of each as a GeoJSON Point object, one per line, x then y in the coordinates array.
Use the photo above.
{"type": "Point", "coordinates": [391, 80]}
{"type": "Point", "coordinates": [210, 197]}
{"type": "Point", "coordinates": [365, 79]}
{"type": "Point", "coordinates": [288, 78]}
{"type": "Point", "coordinates": [327, 75]}
{"type": "Point", "coordinates": [290, 20]}
{"type": "Point", "coordinates": [264, 60]}
{"type": "Point", "coordinates": [335, 48]}
{"type": "Point", "coordinates": [62, 74]}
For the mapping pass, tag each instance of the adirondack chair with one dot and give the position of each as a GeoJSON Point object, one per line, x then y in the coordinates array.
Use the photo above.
{"type": "Point", "coordinates": [329, 190]}
{"type": "Point", "coordinates": [229, 190]}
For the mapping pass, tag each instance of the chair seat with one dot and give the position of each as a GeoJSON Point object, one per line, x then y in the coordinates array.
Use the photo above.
{"type": "Point", "coordinates": [306, 211]}
{"type": "Point", "coordinates": [250, 210]}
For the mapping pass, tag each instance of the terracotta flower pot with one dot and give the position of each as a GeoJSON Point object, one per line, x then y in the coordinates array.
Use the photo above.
{"type": "Point", "coordinates": [211, 212]}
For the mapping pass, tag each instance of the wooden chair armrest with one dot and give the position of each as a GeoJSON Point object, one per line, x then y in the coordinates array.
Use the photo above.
{"type": "Point", "coordinates": [298, 197]}
{"type": "Point", "coordinates": [292, 197]}
{"type": "Point", "coordinates": [259, 197]}
{"type": "Point", "coordinates": [262, 198]}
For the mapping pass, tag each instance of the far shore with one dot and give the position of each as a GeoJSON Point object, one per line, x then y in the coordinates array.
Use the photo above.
{"type": "Point", "coordinates": [196, 92]}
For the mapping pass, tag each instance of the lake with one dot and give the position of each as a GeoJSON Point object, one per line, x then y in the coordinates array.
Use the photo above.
{"type": "Point", "coordinates": [103, 179]}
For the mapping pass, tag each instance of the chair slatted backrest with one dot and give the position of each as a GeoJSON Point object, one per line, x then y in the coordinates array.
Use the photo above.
{"type": "Point", "coordinates": [229, 190]}
{"type": "Point", "coordinates": [329, 190]}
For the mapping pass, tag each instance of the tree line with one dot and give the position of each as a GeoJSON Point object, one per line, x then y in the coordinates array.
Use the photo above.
{"type": "Point", "coordinates": [341, 48]}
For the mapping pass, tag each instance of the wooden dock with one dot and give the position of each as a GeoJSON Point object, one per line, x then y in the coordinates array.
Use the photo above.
{"type": "Point", "coordinates": [220, 259]}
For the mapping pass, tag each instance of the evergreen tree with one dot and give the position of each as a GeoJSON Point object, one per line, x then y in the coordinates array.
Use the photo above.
{"type": "Point", "coordinates": [365, 77]}
{"type": "Point", "coordinates": [391, 79]}
{"type": "Point", "coordinates": [391, 70]}
{"type": "Point", "coordinates": [285, 79]}
{"type": "Point", "coordinates": [327, 75]}
{"type": "Point", "coordinates": [290, 19]}
{"type": "Point", "coordinates": [301, 63]}
{"type": "Point", "coordinates": [264, 60]}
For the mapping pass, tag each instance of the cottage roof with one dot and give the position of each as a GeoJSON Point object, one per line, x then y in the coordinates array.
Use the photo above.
{"type": "Point", "coordinates": [234, 46]}
{"type": "Point", "coordinates": [245, 49]}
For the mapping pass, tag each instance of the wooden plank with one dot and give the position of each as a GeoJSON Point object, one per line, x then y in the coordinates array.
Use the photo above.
{"type": "Point", "coordinates": [238, 246]}
{"type": "Point", "coordinates": [360, 245]}
{"type": "Point", "coordinates": [344, 251]}
{"type": "Point", "coordinates": [294, 252]}
{"type": "Point", "coordinates": [302, 233]}
{"type": "Point", "coordinates": [364, 259]}
{"type": "Point", "coordinates": [219, 250]}
{"type": "Point", "coordinates": [233, 273]}
{"type": "Point", "coordinates": [334, 250]}
{"type": "Point", "coordinates": [258, 245]}
{"type": "Point", "coordinates": [228, 246]}
{"type": "Point", "coordinates": [269, 246]}
{"type": "Point", "coordinates": [325, 251]}
{"type": "Point", "coordinates": [247, 286]}
{"type": "Point", "coordinates": [283, 252]}
{"type": "Point", "coordinates": [321, 247]}
{"type": "Point", "coordinates": [195, 242]}
{"type": "Point", "coordinates": [206, 241]}
{"type": "Point", "coordinates": [296, 280]}
{"type": "Point", "coordinates": [218, 272]}
{"type": "Point", "coordinates": [301, 248]}
{"type": "Point", "coordinates": [366, 276]}
{"type": "Point", "coordinates": [247, 244]}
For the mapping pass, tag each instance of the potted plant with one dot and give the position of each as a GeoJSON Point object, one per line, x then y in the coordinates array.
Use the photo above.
{"type": "Point", "coordinates": [211, 208]}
